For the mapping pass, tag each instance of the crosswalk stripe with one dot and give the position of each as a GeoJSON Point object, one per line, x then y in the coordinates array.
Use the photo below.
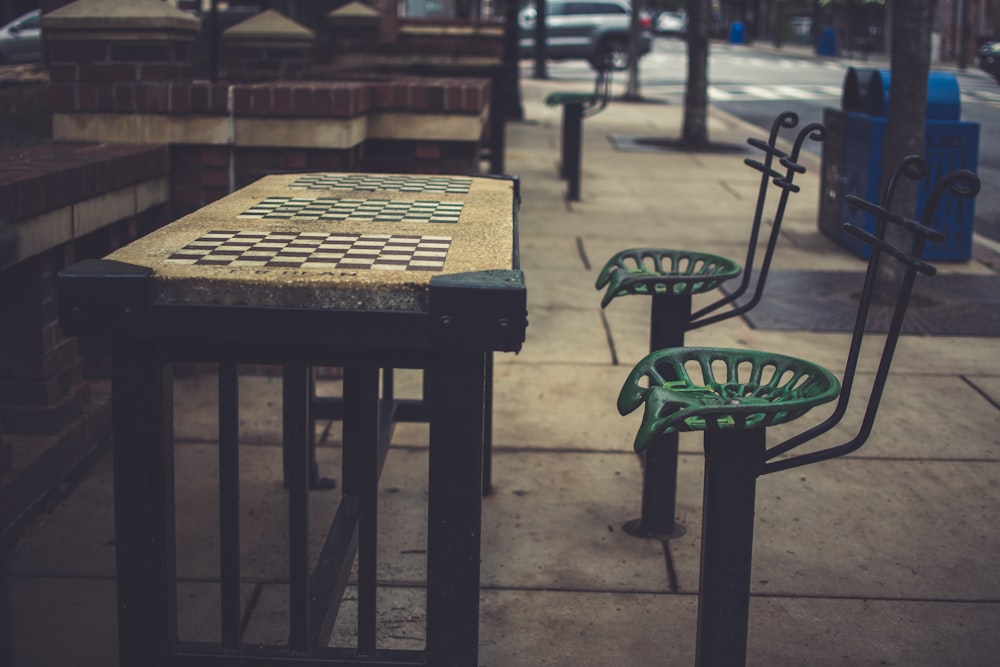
{"type": "Point", "coordinates": [760, 92]}
{"type": "Point", "coordinates": [980, 95]}
{"type": "Point", "coordinates": [835, 91]}
{"type": "Point", "coordinates": [797, 93]}
{"type": "Point", "coordinates": [717, 94]}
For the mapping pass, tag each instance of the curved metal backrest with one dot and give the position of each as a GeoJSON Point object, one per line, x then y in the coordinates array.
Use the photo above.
{"type": "Point", "coordinates": [960, 183]}
{"type": "Point", "coordinates": [814, 131]}
{"type": "Point", "coordinates": [602, 92]}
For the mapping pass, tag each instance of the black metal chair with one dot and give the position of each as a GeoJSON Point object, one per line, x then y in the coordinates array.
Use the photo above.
{"type": "Point", "coordinates": [734, 395]}
{"type": "Point", "coordinates": [672, 276]}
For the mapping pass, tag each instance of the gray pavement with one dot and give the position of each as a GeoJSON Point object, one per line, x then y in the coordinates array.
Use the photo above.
{"type": "Point", "coordinates": [885, 557]}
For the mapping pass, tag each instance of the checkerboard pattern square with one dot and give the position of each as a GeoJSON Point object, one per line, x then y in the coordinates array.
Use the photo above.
{"type": "Point", "coordinates": [372, 210]}
{"type": "Point", "coordinates": [315, 250]}
{"type": "Point", "coordinates": [372, 182]}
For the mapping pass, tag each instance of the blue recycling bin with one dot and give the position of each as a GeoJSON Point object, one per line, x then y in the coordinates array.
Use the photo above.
{"type": "Point", "coordinates": [827, 44]}
{"type": "Point", "coordinates": [736, 33]}
{"type": "Point", "coordinates": [855, 166]}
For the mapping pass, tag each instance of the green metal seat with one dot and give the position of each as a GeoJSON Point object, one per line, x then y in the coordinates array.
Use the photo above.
{"type": "Point", "coordinates": [577, 106]}
{"type": "Point", "coordinates": [704, 389]}
{"type": "Point", "coordinates": [648, 271]}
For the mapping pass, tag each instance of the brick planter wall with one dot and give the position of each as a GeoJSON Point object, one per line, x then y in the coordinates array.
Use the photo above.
{"type": "Point", "coordinates": [64, 202]}
{"type": "Point", "coordinates": [225, 134]}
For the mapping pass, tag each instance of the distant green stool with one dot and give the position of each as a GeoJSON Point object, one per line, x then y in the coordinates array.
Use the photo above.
{"type": "Point", "coordinates": [734, 395]}
{"type": "Point", "coordinates": [671, 277]}
{"type": "Point", "coordinates": [576, 107]}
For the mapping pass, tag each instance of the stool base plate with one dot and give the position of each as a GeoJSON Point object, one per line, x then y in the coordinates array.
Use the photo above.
{"type": "Point", "coordinates": [636, 529]}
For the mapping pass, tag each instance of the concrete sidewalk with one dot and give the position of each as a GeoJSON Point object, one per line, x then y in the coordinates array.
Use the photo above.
{"type": "Point", "coordinates": [885, 557]}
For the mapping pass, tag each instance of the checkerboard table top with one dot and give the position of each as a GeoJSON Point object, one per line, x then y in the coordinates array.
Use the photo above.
{"type": "Point", "coordinates": [326, 240]}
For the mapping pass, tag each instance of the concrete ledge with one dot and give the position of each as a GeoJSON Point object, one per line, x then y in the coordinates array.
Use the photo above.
{"type": "Point", "coordinates": [141, 128]}
{"type": "Point", "coordinates": [300, 132]}
{"type": "Point", "coordinates": [67, 223]}
{"type": "Point", "coordinates": [284, 132]}
{"type": "Point", "coordinates": [433, 127]}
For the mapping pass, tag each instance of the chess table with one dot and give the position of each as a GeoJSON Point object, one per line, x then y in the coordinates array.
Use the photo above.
{"type": "Point", "coordinates": [360, 271]}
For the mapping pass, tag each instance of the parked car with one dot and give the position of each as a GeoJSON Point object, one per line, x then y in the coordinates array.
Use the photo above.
{"type": "Point", "coordinates": [802, 28]}
{"type": "Point", "coordinates": [989, 59]}
{"type": "Point", "coordinates": [672, 24]}
{"type": "Point", "coordinates": [594, 30]}
{"type": "Point", "coordinates": [21, 40]}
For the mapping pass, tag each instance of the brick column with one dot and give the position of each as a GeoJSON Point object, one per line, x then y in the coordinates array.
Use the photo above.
{"type": "Point", "coordinates": [351, 30]}
{"type": "Point", "coordinates": [267, 47]}
{"type": "Point", "coordinates": [41, 388]}
{"type": "Point", "coordinates": [112, 56]}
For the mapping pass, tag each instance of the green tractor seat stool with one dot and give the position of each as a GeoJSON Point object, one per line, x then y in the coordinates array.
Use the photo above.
{"type": "Point", "coordinates": [734, 395]}
{"type": "Point", "coordinates": [671, 277]}
{"type": "Point", "coordinates": [576, 107]}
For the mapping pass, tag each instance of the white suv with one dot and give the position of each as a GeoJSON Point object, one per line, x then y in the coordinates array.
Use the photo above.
{"type": "Point", "coordinates": [594, 30]}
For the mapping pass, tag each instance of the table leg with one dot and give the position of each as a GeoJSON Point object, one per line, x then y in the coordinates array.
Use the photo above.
{"type": "Point", "coordinates": [296, 423]}
{"type": "Point", "coordinates": [144, 502]}
{"type": "Point", "coordinates": [488, 429]}
{"type": "Point", "coordinates": [6, 619]}
{"type": "Point", "coordinates": [361, 460]}
{"type": "Point", "coordinates": [458, 381]}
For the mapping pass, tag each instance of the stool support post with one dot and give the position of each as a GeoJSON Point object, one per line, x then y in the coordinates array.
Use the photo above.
{"type": "Point", "coordinates": [668, 320]}
{"type": "Point", "coordinates": [733, 460]}
{"type": "Point", "coordinates": [572, 148]}
{"type": "Point", "coordinates": [669, 315]}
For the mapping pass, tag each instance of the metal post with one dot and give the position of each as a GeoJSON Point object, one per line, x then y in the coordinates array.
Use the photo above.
{"type": "Point", "coordinates": [488, 429]}
{"type": "Point", "coordinates": [669, 315]}
{"type": "Point", "coordinates": [454, 521]}
{"type": "Point", "coordinates": [733, 461]}
{"type": "Point", "coordinates": [361, 429]}
{"type": "Point", "coordinates": [514, 109]}
{"type": "Point", "coordinates": [6, 631]}
{"type": "Point", "coordinates": [572, 147]}
{"type": "Point", "coordinates": [541, 40]}
{"type": "Point", "coordinates": [296, 422]}
{"type": "Point", "coordinates": [229, 505]}
{"type": "Point", "coordinates": [141, 392]}
{"type": "Point", "coordinates": [498, 119]}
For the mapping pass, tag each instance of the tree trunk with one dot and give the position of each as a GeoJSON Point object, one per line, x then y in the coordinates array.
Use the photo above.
{"type": "Point", "coordinates": [541, 40]}
{"type": "Point", "coordinates": [993, 9]}
{"type": "Point", "coordinates": [634, 34]}
{"type": "Point", "coordinates": [695, 131]}
{"type": "Point", "coordinates": [904, 133]}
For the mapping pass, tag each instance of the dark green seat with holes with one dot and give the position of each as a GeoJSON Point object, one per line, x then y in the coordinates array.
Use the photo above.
{"type": "Point", "coordinates": [557, 99]}
{"type": "Point", "coordinates": [651, 271]}
{"type": "Point", "coordinates": [704, 389]}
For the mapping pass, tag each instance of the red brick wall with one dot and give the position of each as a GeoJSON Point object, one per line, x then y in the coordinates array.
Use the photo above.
{"type": "Point", "coordinates": [41, 387]}
{"type": "Point", "coordinates": [46, 407]}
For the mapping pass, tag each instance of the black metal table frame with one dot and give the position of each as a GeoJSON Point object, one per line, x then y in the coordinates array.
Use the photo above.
{"type": "Point", "coordinates": [453, 342]}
